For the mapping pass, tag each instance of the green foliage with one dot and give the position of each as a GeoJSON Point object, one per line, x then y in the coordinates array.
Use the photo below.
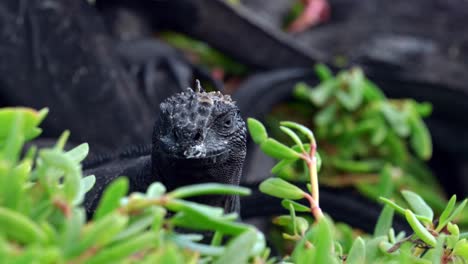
{"type": "Point", "coordinates": [41, 191]}
{"type": "Point", "coordinates": [376, 144]}
{"type": "Point", "coordinates": [278, 150]}
{"type": "Point", "coordinates": [319, 240]}
{"type": "Point", "coordinates": [42, 219]}
{"type": "Point", "coordinates": [280, 188]}
{"type": "Point", "coordinates": [257, 131]}
{"type": "Point", "coordinates": [204, 54]}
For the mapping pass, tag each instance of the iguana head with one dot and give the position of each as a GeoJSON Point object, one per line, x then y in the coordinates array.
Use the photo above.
{"type": "Point", "coordinates": [198, 137]}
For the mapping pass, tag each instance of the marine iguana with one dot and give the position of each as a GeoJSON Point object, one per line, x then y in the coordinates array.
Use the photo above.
{"type": "Point", "coordinates": [198, 137]}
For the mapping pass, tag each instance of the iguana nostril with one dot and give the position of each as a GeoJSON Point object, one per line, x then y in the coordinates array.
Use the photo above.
{"type": "Point", "coordinates": [182, 135]}
{"type": "Point", "coordinates": [198, 136]}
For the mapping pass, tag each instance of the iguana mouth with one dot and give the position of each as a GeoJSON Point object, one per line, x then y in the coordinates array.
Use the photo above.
{"type": "Point", "coordinates": [213, 159]}
{"type": "Point", "coordinates": [193, 156]}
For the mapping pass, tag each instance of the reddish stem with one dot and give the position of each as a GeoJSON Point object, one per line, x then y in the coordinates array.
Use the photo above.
{"type": "Point", "coordinates": [314, 208]}
{"type": "Point", "coordinates": [315, 12]}
{"type": "Point", "coordinates": [313, 199]}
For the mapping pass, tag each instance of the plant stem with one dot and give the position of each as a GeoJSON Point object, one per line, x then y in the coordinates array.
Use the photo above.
{"type": "Point", "coordinates": [314, 208]}
{"type": "Point", "coordinates": [311, 162]}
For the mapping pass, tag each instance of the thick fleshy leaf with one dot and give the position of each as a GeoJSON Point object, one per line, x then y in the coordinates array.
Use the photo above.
{"type": "Point", "coordinates": [384, 223]}
{"type": "Point", "coordinates": [278, 168]}
{"type": "Point", "coordinates": [357, 254]}
{"type": "Point", "coordinates": [322, 92]}
{"type": "Point", "coordinates": [207, 250]}
{"type": "Point", "coordinates": [136, 226]}
{"type": "Point", "coordinates": [79, 153]}
{"type": "Point", "coordinates": [275, 149]}
{"type": "Point", "coordinates": [420, 138]}
{"type": "Point", "coordinates": [19, 227]}
{"type": "Point", "coordinates": [12, 192]}
{"type": "Point", "coordinates": [282, 189]}
{"type": "Point", "coordinates": [296, 223]}
{"type": "Point", "coordinates": [62, 140]}
{"type": "Point", "coordinates": [110, 200]}
{"type": "Point", "coordinates": [99, 233]}
{"type": "Point", "coordinates": [155, 190]}
{"type": "Point", "coordinates": [457, 211]}
{"type": "Point", "coordinates": [324, 243]}
{"type": "Point", "coordinates": [446, 213]}
{"type": "Point", "coordinates": [213, 212]}
{"type": "Point", "coordinates": [461, 249]}
{"type": "Point", "coordinates": [259, 247]}
{"type": "Point", "coordinates": [31, 119]}
{"type": "Point", "coordinates": [385, 247]}
{"type": "Point", "coordinates": [373, 250]}
{"type": "Point", "coordinates": [71, 231]}
{"type": "Point", "coordinates": [303, 252]}
{"type": "Point", "coordinates": [125, 248]}
{"type": "Point", "coordinates": [424, 109]}
{"type": "Point", "coordinates": [86, 184]}
{"type": "Point", "coordinates": [303, 129]}
{"type": "Point", "coordinates": [379, 133]}
{"type": "Point", "coordinates": [397, 149]}
{"type": "Point", "coordinates": [207, 189]}
{"type": "Point", "coordinates": [357, 166]}
{"type": "Point", "coordinates": [420, 229]}
{"type": "Point", "coordinates": [238, 249]}
{"type": "Point", "coordinates": [58, 160]}
{"type": "Point", "coordinates": [286, 203]}
{"type": "Point", "coordinates": [372, 92]}
{"type": "Point", "coordinates": [392, 204]}
{"type": "Point", "coordinates": [345, 236]}
{"type": "Point", "coordinates": [302, 91]}
{"type": "Point", "coordinates": [326, 115]}
{"type": "Point", "coordinates": [257, 130]}
{"type": "Point", "coordinates": [105, 229]}
{"type": "Point", "coordinates": [192, 217]}
{"type": "Point", "coordinates": [169, 254]}
{"type": "Point", "coordinates": [402, 210]}
{"type": "Point", "coordinates": [10, 151]}
{"type": "Point", "coordinates": [323, 72]}
{"type": "Point", "coordinates": [386, 184]}
{"type": "Point", "coordinates": [293, 136]}
{"type": "Point", "coordinates": [438, 251]}
{"type": "Point", "coordinates": [419, 206]}
{"type": "Point", "coordinates": [352, 98]}
{"type": "Point", "coordinates": [397, 119]}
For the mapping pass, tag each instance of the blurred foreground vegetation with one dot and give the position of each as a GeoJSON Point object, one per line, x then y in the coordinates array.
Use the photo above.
{"type": "Point", "coordinates": [42, 219]}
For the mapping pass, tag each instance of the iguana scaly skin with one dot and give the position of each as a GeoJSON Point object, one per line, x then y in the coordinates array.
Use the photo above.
{"type": "Point", "coordinates": [198, 137]}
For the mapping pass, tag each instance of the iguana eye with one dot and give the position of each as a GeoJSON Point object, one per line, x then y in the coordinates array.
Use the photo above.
{"type": "Point", "coordinates": [225, 123]}
{"type": "Point", "coordinates": [228, 122]}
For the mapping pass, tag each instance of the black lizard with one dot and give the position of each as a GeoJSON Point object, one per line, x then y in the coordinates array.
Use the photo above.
{"type": "Point", "coordinates": [198, 137]}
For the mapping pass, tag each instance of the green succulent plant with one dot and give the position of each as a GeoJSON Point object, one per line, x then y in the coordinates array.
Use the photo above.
{"type": "Point", "coordinates": [42, 219]}
{"type": "Point", "coordinates": [317, 239]}
{"type": "Point", "coordinates": [375, 144]}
